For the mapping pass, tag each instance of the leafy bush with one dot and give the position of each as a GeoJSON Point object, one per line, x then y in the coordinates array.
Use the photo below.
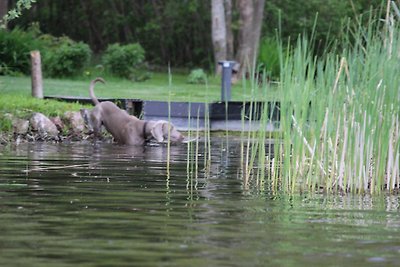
{"type": "Point", "coordinates": [15, 47]}
{"type": "Point", "coordinates": [197, 76]}
{"type": "Point", "coordinates": [65, 58]}
{"type": "Point", "coordinates": [61, 57]}
{"type": "Point", "coordinates": [121, 60]}
{"type": "Point", "coordinates": [268, 57]}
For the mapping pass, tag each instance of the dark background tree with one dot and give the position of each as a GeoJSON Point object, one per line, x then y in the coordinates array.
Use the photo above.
{"type": "Point", "coordinates": [179, 31]}
{"type": "Point", "coordinates": [251, 14]}
{"type": "Point", "coordinates": [3, 8]}
{"type": "Point", "coordinates": [170, 31]}
{"type": "Point", "coordinates": [219, 33]}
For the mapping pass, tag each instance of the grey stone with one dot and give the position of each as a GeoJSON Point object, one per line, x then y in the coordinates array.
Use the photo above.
{"type": "Point", "coordinates": [75, 121]}
{"type": "Point", "coordinates": [20, 126]}
{"type": "Point", "coordinates": [43, 125]}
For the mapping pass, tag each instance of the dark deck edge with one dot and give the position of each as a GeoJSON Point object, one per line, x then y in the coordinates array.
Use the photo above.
{"type": "Point", "coordinates": [236, 116]}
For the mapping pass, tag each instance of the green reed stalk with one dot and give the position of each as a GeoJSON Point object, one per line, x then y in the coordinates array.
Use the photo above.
{"type": "Point", "coordinates": [261, 142]}
{"type": "Point", "coordinates": [169, 135]}
{"type": "Point", "coordinates": [190, 160]}
{"type": "Point", "coordinates": [207, 144]}
{"type": "Point", "coordinates": [197, 147]}
{"type": "Point", "coordinates": [340, 114]}
{"type": "Point", "coordinates": [250, 143]}
{"type": "Point", "coordinates": [189, 144]}
{"type": "Point", "coordinates": [243, 119]}
{"type": "Point", "coordinates": [207, 136]}
{"type": "Point", "coordinates": [169, 120]}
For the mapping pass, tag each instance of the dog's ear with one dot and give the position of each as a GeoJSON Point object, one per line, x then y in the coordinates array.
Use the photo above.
{"type": "Point", "coordinates": [158, 132]}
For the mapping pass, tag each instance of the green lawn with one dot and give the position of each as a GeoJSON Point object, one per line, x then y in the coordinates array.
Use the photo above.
{"type": "Point", "coordinates": [156, 88]}
{"type": "Point", "coordinates": [15, 93]}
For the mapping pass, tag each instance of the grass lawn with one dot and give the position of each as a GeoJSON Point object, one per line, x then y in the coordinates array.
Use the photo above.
{"type": "Point", "coordinates": [15, 93]}
{"type": "Point", "coordinates": [156, 88]}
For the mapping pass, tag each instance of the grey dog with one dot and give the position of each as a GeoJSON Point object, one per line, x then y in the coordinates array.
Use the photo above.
{"type": "Point", "coordinates": [125, 128]}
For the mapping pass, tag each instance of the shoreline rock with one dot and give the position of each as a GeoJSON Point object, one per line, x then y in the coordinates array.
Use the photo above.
{"type": "Point", "coordinates": [38, 128]}
{"type": "Point", "coordinates": [20, 126]}
{"type": "Point", "coordinates": [43, 126]}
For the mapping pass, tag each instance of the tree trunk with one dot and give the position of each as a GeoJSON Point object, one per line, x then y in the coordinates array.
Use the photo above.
{"type": "Point", "coordinates": [3, 9]}
{"type": "Point", "coordinates": [37, 81]}
{"type": "Point", "coordinates": [257, 24]}
{"type": "Point", "coordinates": [229, 33]}
{"type": "Point", "coordinates": [250, 22]}
{"type": "Point", "coordinates": [218, 31]}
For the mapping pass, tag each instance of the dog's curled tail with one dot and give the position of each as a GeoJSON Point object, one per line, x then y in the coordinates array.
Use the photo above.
{"type": "Point", "coordinates": [91, 89]}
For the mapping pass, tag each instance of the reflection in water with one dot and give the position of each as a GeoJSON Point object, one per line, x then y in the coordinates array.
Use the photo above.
{"type": "Point", "coordinates": [104, 204]}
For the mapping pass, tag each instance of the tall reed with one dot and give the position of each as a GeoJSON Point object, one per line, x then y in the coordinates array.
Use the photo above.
{"type": "Point", "coordinates": [339, 116]}
{"type": "Point", "coordinates": [340, 113]}
{"type": "Point", "coordinates": [169, 120]}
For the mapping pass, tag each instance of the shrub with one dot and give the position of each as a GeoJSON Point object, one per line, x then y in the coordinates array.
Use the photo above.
{"type": "Point", "coordinates": [197, 76]}
{"type": "Point", "coordinates": [65, 58]}
{"type": "Point", "coordinates": [121, 60]}
{"type": "Point", "coordinates": [268, 57]}
{"type": "Point", "coordinates": [15, 47]}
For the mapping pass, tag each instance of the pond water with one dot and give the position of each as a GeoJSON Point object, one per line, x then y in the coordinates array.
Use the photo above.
{"type": "Point", "coordinates": [84, 204]}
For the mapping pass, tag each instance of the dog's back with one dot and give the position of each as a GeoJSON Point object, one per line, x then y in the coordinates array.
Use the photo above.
{"type": "Point", "coordinates": [125, 128]}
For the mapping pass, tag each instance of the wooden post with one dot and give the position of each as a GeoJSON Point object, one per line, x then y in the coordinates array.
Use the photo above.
{"type": "Point", "coordinates": [37, 81]}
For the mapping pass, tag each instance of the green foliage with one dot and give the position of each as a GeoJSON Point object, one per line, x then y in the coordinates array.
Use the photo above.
{"type": "Point", "coordinates": [64, 57]}
{"type": "Point", "coordinates": [61, 57]}
{"type": "Point", "coordinates": [169, 31]}
{"type": "Point", "coordinates": [297, 17]}
{"type": "Point", "coordinates": [179, 34]}
{"type": "Point", "coordinates": [268, 57]}
{"type": "Point", "coordinates": [15, 47]}
{"type": "Point", "coordinates": [121, 60]}
{"type": "Point", "coordinates": [16, 12]}
{"type": "Point", "coordinates": [197, 76]}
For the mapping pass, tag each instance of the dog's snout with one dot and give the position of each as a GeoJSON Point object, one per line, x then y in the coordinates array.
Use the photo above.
{"type": "Point", "coordinates": [177, 137]}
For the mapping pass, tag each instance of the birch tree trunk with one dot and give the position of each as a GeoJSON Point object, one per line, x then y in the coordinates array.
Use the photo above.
{"type": "Point", "coordinates": [250, 22]}
{"type": "Point", "coordinates": [218, 31]}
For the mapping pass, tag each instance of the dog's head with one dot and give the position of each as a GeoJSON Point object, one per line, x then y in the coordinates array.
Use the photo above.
{"type": "Point", "coordinates": [162, 130]}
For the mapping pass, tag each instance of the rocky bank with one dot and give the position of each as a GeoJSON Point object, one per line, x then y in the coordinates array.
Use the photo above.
{"type": "Point", "coordinates": [68, 127]}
